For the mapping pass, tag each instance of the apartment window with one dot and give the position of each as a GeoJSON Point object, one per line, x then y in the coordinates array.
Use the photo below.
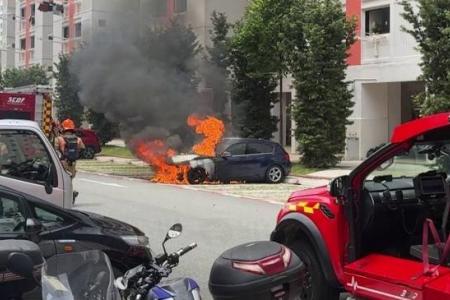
{"type": "Point", "coordinates": [78, 29]}
{"type": "Point", "coordinates": [33, 15]}
{"type": "Point", "coordinates": [23, 44]}
{"type": "Point", "coordinates": [159, 8]}
{"type": "Point", "coordinates": [32, 42]}
{"type": "Point", "coordinates": [66, 32]}
{"type": "Point", "coordinates": [22, 12]}
{"type": "Point", "coordinates": [102, 23]}
{"type": "Point", "coordinates": [378, 21]}
{"type": "Point", "coordinates": [180, 6]}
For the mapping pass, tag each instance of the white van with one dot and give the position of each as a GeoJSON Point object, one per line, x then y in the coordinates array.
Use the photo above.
{"type": "Point", "coordinates": [29, 163]}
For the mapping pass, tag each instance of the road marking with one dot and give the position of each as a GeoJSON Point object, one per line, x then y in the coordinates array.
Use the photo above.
{"type": "Point", "coordinates": [103, 183]}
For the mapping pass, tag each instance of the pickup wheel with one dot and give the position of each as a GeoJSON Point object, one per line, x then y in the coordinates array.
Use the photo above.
{"type": "Point", "coordinates": [315, 287]}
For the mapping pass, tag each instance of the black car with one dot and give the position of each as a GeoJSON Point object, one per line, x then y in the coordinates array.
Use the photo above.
{"type": "Point", "coordinates": [59, 231]}
{"type": "Point", "coordinates": [242, 159]}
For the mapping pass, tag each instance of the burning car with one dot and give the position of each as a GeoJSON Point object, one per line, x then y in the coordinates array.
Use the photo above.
{"type": "Point", "coordinates": [240, 159]}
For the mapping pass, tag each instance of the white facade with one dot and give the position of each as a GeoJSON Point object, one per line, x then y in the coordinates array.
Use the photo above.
{"type": "Point", "coordinates": [385, 81]}
{"type": "Point", "coordinates": [29, 36]}
{"type": "Point", "coordinates": [7, 34]}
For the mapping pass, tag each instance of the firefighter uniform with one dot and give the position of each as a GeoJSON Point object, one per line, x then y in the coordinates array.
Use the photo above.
{"type": "Point", "coordinates": [60, 145]}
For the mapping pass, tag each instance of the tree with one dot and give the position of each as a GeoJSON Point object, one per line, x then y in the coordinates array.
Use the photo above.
{"type": "Point", "coordinates": [217, 74]}
{"type": "Point", "coordinates": [309, 39]}
{"type": "Point", "coordinates": [252, 98]}
{"type": "Point", "coordinates": [67, 102]}
{"type": "Point", "coordinates": [430, 27]}
{"type": "Point", "coordinates": [318, 64]}
{"type": "Point", "coordinates": [254, 73]}
{"type": "Point", "coordinates": [105, 129]}
{"type": "Point", "coordinates": [35, 74]}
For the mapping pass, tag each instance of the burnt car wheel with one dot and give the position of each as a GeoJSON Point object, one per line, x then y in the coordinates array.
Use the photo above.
{"type": "Point", "coordinates": [89, 153]}
{"type": "Point", "coordinates": [196, 176]}
{"type": "Point", "coordinates": [314, 286]}
{"type": "Point", "coordinates": [274, 174]}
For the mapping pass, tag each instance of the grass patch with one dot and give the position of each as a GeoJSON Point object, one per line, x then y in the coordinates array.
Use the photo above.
{"type": "Point", "coordinates": [116, 151]}
{"type": "Point", "coordinates": [110, 168]}
{"type": "Point", "coordinates": [299, 170]}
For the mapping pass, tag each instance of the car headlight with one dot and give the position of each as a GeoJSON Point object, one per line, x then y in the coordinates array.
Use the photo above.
{"type": "Point", "coordinates": [135, 240]}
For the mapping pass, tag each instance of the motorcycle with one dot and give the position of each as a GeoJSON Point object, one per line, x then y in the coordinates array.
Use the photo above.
{"type": "Point", "coordinates": [144, 281]}
{"type": "Point", "coordinates": [89, 275]}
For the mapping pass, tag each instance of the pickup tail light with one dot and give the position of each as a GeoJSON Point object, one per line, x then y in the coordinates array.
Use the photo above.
{"type": "Point", "coordinates": [267, 266]}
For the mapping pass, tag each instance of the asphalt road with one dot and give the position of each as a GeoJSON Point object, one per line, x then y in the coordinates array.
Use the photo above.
{"type": "Point", "coordinates": [214, 221]}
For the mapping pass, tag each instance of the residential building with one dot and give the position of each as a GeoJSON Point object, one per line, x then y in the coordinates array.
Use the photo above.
{"type": "Point", "coordinates": [32, 36]}
{"type": "Point", "coordinates": [7, 33]}
{"type": "Point", "coordinates": [383, 71]}
{"type": "Point", "coordinates": [194, 13]}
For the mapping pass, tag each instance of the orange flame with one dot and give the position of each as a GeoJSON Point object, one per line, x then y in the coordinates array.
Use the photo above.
{"type": "Point", "coordinates": [212, 129]}
{"type": "Point", "coordinates": [156, 153]}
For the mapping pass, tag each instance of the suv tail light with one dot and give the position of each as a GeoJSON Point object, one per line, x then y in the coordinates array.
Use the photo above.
{"type": "Point", "coordinates": [286, 157]}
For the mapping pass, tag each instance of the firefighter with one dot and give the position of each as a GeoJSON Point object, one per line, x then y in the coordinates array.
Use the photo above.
{"type": "Point", "coordinates": [69, 146]}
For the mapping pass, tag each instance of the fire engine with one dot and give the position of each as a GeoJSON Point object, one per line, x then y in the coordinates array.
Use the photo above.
{"type": "Point", "coordinates": [32, 103]}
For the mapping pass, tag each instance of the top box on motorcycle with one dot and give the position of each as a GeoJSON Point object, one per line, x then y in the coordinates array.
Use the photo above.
{"type": "Point", "coordinates": [13, 285]}
{"type": "Point", "coordinates": [257, 271]}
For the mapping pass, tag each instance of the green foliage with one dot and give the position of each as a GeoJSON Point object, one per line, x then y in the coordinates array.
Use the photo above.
{"type": "Point", "coordinates": [67, 102]}
{"type": "Point", "coordinates": [253, 92]}
{"type": "Point", "coordinates": [266, 34]}
{"type": "Point", "coordinates": [309, 39]}
{"type": "Point", "coordinates": [182, 44]}
{"type": "Point", "coordinates": [252, 98]}
{"type": "Point", "coordinates": [106, 131]}
{"type": "Point", "coordinates": [36, 75]}
{"type": "Point", "coordinates": [216, 74]}
{"type": "Point", "coordinates": [323, 102]}
{"type": "Point", "coordinates": [430, 26]}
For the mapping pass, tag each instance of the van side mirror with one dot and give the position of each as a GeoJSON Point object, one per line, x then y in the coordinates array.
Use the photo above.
{"type": "Point", "coordinates": [338, 186]}
{"type": "Point", "coordinates": [49, 180]}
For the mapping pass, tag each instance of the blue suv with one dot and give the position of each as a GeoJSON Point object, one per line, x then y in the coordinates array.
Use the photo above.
{"type": "Point", "coordinates": [242, 159]}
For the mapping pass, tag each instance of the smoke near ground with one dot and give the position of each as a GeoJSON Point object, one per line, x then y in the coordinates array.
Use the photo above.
{"type": "Point", "coordinates": [145, 80]}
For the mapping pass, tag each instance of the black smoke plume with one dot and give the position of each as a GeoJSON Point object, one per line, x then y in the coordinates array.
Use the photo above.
{"type": "Point", "coordinates": [143, 79]}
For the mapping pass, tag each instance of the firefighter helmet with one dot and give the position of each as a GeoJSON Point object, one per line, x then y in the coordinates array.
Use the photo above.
{"type": "Point", "coordinates": [68, 124]}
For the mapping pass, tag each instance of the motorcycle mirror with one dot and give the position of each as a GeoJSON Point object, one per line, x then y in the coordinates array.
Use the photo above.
{"type": "Point", "coordinates": [20, 264]}
{"type": "Point", "coordinates": [174, 231]}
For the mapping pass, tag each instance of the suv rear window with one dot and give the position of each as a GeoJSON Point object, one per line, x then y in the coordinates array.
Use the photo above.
{"type": "Point", "coordinates": [259, 148]}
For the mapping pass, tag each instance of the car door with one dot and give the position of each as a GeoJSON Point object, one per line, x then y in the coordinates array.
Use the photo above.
{"type": "Point", "coordinates": [258, 159]}
{"type": "Point", "coordinates": [56, 228]}
{"type": "Point", "coordinates": [28, 162]}
{"type": "Point", "coordinates": [230, 164]}
{"type": "Point", "coordinates": [13, 216]}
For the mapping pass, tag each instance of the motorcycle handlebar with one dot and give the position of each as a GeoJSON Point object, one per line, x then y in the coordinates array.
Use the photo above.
{"type": "Point", "coordinates": [186, 249]}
